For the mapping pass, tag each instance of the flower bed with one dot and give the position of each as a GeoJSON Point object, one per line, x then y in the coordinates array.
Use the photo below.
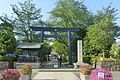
{"type": "Point", "coordinates": [14, 74]}
{"type": "Point", "coordinates": [11, 74]}
{"type": "Point", "coordinates": [85, 71]}
{"type": "Point", "coordinates": [85, 68]}
{"type": "Point", "coordinates": [26, 72]}
{"type": "Point", "coordinates": [26, 69]}
{"type": "Point", "coordinates": [100, 74]}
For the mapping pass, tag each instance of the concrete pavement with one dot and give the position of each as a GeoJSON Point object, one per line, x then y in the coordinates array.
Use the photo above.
{"type": "Point", "coordinates": [57, 76]}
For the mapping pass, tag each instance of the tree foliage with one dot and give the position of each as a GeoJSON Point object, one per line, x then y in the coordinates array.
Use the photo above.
{"type": "Point", "coordinates": [100, 37]}
{"type": "Point", "coordinates": [7, 38]}
{"type": "Point", "coordinates": [60, 48]}
{"type": "Point", "coordinates": [108, 11]}
{"type": "Point", "coordinates": [25, 15]}
{"type": "Point", "coordinates": [70, 14]}
{"type": "Point", "coordinates": [115, 51]}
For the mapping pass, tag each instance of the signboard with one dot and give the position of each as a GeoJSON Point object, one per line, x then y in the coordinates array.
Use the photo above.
{"type": "Point", "coordinates": [101, 75]}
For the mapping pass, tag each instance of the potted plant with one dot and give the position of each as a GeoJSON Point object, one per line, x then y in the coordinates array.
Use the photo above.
{"type": "Point", "coordinates": [85, 71]}
{"type": "Point", "coordinates": [26, 71]}
{"type": "Point", "coordinates": [11, 74]}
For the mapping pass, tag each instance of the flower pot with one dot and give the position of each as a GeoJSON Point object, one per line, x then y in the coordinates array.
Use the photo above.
{"type": "Point", "coordinates": [25, 77]}
{"type": "Point", "coordinates": [84, 77]}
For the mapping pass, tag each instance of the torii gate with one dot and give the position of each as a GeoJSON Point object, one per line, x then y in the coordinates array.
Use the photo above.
{"type": "Point", "coordinates": [56, 35]}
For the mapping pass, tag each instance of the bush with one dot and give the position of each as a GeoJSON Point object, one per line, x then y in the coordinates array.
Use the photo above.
{"type": "Point", "coordinates": [94, 75]}
{"type": "Point", "coordinates": [85, 69]}
{"type": "Point", "coordinates": [107, 59]}
{"type": "Point", "coordinates": [11, 74]}
{"type": "Point", "coordinates": [26, 69]}
{"type": "Point", "coordinates": [87, 59]}
{"type": "Point", "coordinates": [7, 58]}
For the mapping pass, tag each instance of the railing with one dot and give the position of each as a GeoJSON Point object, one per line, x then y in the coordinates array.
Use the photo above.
{"type": "Point", "coordinates": [28, 59]}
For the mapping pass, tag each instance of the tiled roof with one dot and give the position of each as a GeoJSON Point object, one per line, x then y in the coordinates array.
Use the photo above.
{"type": "Point", "coordinates": [118, 43]}
{"type": "Point", "coordinates": [29, 46]}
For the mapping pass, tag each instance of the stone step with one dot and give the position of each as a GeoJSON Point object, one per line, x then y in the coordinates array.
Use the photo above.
{"type": "Point", "coordinates": [58, 70]}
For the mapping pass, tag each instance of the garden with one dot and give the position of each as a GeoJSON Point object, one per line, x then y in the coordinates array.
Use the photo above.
{"type": "Point", "coordinates": [17, 74]}
{"type": "Point", "coordinates": [98, 31]}
{"type": "Point", "coordinates": [88, 73]}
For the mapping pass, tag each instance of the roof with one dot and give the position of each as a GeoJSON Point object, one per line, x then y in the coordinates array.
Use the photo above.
{"type": "Point", "coordinates": [118, 43]}
{"type": "Point", "coordinates": [29, 46]}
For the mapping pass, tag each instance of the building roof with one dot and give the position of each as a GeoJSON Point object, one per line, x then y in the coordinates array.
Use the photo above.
{"type": "Point", "coordinates": [118, 43]}
{"type": "Point", "coordinates": [29, 46]}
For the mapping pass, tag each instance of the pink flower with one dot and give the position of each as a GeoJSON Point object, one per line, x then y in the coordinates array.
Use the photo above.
{"type": "Point", "coordinates": [11, 74]}
{"type": "Point", "coordinates": [85, 68]}
{"type": "Point", "coordinates": [94, 74]}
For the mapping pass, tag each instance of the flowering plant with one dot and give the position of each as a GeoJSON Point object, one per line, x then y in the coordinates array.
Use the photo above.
{"type": "Point", "coordinates": [106, 75]}
{"type": "Point", "coordinates": [11, 74]}
{"type": "Point", "coordinates": [26, 69]}
{"type": "Point", "coordinates": [85, 69]}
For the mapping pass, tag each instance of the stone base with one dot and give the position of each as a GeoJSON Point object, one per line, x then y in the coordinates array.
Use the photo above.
{"type": "Point", "coordinates": [25, 77]}
{"type": "Point", "coordinates": [70, 66]}
{"type": "Point", "coordinates": [34, 65]}
{"type": "Point", "coordinates": [84, 77]}
{"type": "Point", "coordinates": [77, 65]}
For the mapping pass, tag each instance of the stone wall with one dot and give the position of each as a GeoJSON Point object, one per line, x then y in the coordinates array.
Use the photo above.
{"type": "Point", "coordinates": [34, 65]}
{"type": "Point", "coordinates": [3, 65]}
{"type": "Point", "coordinates": [109, 65]}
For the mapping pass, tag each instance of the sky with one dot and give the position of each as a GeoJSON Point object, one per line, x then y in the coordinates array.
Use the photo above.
{"type": "Point", "coordinates": [47, 5]}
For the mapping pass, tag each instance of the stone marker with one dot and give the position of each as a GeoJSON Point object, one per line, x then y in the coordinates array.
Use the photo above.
{"type": "Point", "coordinates": [79, 51]}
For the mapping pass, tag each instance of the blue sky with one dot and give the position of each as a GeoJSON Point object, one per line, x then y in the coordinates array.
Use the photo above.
{"type": "Point", "coordinates": [47, 5]}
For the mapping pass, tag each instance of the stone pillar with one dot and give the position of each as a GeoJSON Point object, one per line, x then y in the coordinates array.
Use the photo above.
{"type": "Point", "coordinates": [79, 51]}
{"type": "Point", "coordinates": [69, 48]}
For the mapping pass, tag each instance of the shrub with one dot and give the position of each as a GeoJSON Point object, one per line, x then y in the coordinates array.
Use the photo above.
{"type": "Point", "coordinates": [11, 74]}
{"type": "Point", "coordinates": [26, 69]}
{"type": "Point", "coordinates": [85, 69]}
{"type": "Point", "coordinates": [94, 75]}
{"type": "Point", "coordinates": [87, 59]}
{"type": "Point", "coordinates": [7, 58]}
{"type": "Point", "coordinates": [107, 59]}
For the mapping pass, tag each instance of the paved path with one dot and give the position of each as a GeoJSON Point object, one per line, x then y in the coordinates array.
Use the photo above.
{"type": "Point", "coordinates": [57, 76]}
{"type": "Point", "coordinates": [44, 75]}
{"type": "Point", "coordinates": [50, 65]}
{"type": "Point", "coordinates": [116, 75]}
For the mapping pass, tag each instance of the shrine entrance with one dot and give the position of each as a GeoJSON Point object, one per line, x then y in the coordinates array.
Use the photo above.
{"type": "Point", "coordinates": [55, 34]}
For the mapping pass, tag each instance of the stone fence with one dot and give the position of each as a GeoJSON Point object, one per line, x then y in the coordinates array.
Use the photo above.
{"type": "Point", "coordinates": [109, 65]}
{"type": "Point", "coordinates": [3, 65]}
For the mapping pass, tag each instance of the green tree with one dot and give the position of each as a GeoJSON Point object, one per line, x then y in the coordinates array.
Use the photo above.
{"type": "Point", "coordinates": [70, 14]}
{"type": "Point", "coordinates": [109, 11]}
{"type": "Point", "coordinates": [25, 15]}
{"type": "Point", "coordinates": [115, 51]}
{"type": "Point", "coordinates": [105, 17]}
{"type": "Point", "coordinates": [7, 39]}
{"type": "Point", "coordinates": [100, 37]}
{"type": "Point", "coordinates": [60, 48]}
